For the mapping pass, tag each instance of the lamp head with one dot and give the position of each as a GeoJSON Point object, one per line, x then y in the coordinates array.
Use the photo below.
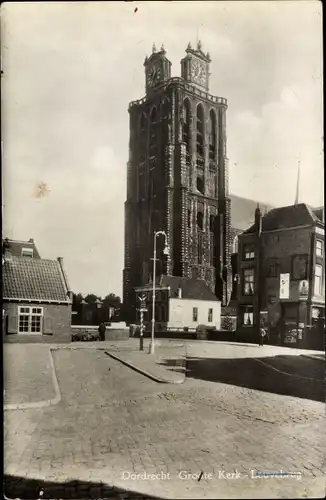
{"type": "Point", "coordinates": [166, 251]}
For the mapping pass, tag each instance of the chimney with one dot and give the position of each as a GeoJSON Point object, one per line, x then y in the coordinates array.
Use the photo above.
{"type": "Point", "coordinates": [6, 250]}
{"type": "Point", "coordinates": [31, 240]}
{"type": "Point", "coordinates": [179, 293]}
{"type": "Point", "coordinates": [258, 220]}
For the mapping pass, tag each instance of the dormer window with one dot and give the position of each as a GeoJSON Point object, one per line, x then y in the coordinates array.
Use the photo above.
{"type": "Point", "coordinates": [27, 252]}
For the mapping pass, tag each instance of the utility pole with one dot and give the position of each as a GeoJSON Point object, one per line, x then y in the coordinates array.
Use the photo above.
{"type": "Point", "coordinates": [258, 228]}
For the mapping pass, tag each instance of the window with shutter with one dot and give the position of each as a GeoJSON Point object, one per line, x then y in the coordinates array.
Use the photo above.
{"type": "Point", "coordinates": [12, 323]}
{"type": "Point", "coordinates": [47, 326]}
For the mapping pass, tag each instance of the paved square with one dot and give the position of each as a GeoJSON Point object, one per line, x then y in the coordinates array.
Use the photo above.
{"type": "Point", "coordinates": [200, 439]}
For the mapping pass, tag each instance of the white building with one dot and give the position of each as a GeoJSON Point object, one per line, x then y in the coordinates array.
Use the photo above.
{"type": "Point", "coordinates": [181, 303]}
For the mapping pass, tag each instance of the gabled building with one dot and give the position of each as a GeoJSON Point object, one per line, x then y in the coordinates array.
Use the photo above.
{"type": "Point", "coordinates": [18, 248]}
{"type": "Point", "coordinates": [36, 296]}
{"type": "Point", "coordinates": [281, 265]}
{"type": "Point", "coordinates": [180, 304]}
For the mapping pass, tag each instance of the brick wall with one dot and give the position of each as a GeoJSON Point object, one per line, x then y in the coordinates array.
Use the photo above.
{"type": "Point", "coordinates": [56, 323]}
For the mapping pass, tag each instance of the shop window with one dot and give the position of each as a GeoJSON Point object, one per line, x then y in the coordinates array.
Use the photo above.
{"type": "Point", "coordinates": [249, 252]}
{"type": "Point", "coordinates": [248, 316]}
{"type": "Point", "coordinates": [318, 280]}
{"type": "Point", "coordinates": [299, 267]}
{"type": "Point", "coordinates": [319, 248]}
{"type": "Point", "coordinates": [248, 282]}
{"type": "Point", "coordinates": [273, 269]}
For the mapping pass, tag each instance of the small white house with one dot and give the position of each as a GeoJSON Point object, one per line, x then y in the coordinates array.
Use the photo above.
{"type": "Point", "coordinates": [181, 303]}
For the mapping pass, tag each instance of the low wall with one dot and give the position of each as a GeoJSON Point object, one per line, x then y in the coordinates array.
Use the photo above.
{"type": "Point", "coordinates": [111, 333]}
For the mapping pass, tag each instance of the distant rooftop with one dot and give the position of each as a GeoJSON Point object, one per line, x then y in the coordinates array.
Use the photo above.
{"type": "Point", "coordinates": [16, 247]}
{"type": "Point", "coordinates": [191, 288]}
{"type": "Point", "coordinates": [243, 212]}
{"type": "Point", "coordinates": [287, 217]}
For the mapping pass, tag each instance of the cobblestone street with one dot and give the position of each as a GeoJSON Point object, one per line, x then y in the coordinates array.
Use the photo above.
{"type": "Point", "coordinates": [113, 423]}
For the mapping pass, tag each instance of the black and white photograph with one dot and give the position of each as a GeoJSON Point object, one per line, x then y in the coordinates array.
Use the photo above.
{"type": "Point", "coordinates": [163, 256]}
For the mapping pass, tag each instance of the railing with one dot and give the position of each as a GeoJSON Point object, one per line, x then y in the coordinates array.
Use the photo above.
{"type": "Point", "coordinates": [187, 86]}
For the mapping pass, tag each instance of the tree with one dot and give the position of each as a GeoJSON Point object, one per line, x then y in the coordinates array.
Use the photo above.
{"type": "Point", "coordinates": [91, 298]}
{"type": "Point", "coordinates": [112, 300]}
{"type": "Point", "coordinates": [112, 305]}
{"type": "Point", "coordinates": [76, 301]}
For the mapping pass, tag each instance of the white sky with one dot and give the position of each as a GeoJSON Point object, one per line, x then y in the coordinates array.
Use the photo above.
{"type": "Point", "coordinates": [70, 70]}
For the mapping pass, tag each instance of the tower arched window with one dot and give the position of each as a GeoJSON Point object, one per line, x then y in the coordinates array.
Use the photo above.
{"type": "Point", "coordinates": [200, 131]}
{"type": "Point", "coordinates": [212, 135]}
{"type": "Point", "coordinates": [235, 245]}
{"type": "Point", "coordinates": [212, 239]}
{"type": "Point", "coordinates": [165, 108]}
{"type": "Point", "coordinates": [165, 114]}
{"type": "Point", "coordinates": [200, 184]}
{"type": "Point", "coordinates": [200, 220]}
{"type": "Point", "coordinates": [189, 217]}
{"type": "Point", "coordinates": [153, 132]}
{"type": "Point", "coordinates": [211, 223]}
{"type": "Point", "coordinates": [186, 123]}
{"type": "Point", "coordinates": [142, 122]}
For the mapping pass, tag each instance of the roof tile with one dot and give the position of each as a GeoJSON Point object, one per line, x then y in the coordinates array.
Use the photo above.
{"type": "Point", "coordinates": [33, 279]}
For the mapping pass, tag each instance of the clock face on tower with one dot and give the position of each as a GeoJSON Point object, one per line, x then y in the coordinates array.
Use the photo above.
{"type": "Point", "coordinates": [154, 75]}
{"type": "Point", "coordinates": [198, 72]}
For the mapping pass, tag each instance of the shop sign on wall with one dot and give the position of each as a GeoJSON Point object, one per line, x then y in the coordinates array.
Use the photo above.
{"type": "Point", "coordinates": [285, 286]}
{"type": "Point", "coordinates": [303, 289]}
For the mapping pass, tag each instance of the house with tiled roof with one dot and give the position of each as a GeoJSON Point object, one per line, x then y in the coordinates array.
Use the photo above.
{"type": "Point", "coordinates": [281, 264]}
{"type": "Point", "coordinates": [180, 304]}
{"type": "Point", "coordinates": [36, 296]}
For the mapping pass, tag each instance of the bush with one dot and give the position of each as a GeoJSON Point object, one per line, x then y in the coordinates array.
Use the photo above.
{"type": "Point", "coordinates": [227, 323]}
{"type": "Point", "coordinates": [85, 336]}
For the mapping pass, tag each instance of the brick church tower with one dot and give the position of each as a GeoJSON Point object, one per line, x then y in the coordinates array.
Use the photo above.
{"type": "Point", "coordinates": [177, 178]}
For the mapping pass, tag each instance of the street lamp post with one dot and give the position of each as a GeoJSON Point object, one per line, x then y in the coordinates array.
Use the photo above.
{"type": "Point", "coordinates": [166, 252]}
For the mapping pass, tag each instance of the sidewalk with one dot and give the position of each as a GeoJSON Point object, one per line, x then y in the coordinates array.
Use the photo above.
{"type": "Point", "coordinates": [167, 364]}
{"type": "Point", "coordinates": [28, 375]}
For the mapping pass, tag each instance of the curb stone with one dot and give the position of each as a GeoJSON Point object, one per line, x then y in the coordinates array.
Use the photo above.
{"type": "Point", "coordinates": [310, 356]}
{"type": "Point", "coordinates": [160, 380]}
{"type": "Point", "coordinates": [293, 375]}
